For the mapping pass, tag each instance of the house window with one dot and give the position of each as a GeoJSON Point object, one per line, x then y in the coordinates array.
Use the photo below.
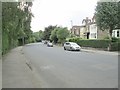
{"type": "Point", "coordinates": [113, 33]}
{"type": "Point", "coordinates": [118, 35]}
{"type": "Point", "coordinates": [74, 32]}
{"type": "Point", "coordinates": [93, 35]}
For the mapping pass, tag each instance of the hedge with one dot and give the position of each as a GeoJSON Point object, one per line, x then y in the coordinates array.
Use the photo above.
{"type": "Point", "coordinates": [91, 43]}
{"type": "Point", "coordinates": [96, 43]}
{"type": "Point", "coordinates": [115, 46]}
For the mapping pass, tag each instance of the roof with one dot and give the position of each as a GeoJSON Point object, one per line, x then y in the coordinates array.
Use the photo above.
{"type": "Point", "coordinates": [79, 26]}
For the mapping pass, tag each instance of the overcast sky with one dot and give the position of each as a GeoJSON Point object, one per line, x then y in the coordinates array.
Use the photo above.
{"type": "Point", "coordinates": [61, 12]}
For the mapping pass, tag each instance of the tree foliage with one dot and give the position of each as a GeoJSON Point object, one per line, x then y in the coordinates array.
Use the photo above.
{"type": "Point", "coordinates": [59, 34]}
{"type": "Point", "coordinates": [53, 35]}
{"type": "Point", "coordinates": [107, 16]}
{"type": "Point", "coordinates": [38, 35]}
{"type": "Point", "coordinates": [16, 19]}
{"type": "Point", "coordinates": [47, 32]}
{"type": "Point", "coordinates": [62, 34]}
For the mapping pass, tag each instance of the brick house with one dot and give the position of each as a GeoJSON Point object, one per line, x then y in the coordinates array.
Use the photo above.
{"type": "Point", "coordinates": [89, 31]}
{"type": "Point", "coordinates": [116, 33]}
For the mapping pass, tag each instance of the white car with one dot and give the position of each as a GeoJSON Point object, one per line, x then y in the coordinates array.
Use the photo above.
{"type": "Point", "coordinates": [49, 44]}
{"type": "Point", "coordinates": [71, 46]}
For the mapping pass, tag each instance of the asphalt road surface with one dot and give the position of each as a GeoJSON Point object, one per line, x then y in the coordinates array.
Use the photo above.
{"type": "Point", "coordinates": [57, 68]}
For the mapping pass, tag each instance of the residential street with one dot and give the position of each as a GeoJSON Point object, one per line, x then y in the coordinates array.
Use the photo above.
{"type": "Point", "coordinates": [59, 68]}
{"type": "Point", "coordinates": [53, 67]}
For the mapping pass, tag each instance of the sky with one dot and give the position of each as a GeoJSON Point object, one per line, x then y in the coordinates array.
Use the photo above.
{"type": "Point", "coordinates": [61, 13]}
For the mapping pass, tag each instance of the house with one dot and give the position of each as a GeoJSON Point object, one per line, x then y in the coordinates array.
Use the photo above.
{"type": "Point", "coordinates": [75, 30]}
{"type": "Point", "coordinates": [96, 33]}
{"type": "Point", "coordinates": [83, 31]}
{"type": "Point", "coordinates": [78, 31]}
{"type": "Point", "coordinates": [116, 33]}
{"type": "Point", "coordinates": [93, 31]}
{"type": "Point", "coordinates": [89, 30]}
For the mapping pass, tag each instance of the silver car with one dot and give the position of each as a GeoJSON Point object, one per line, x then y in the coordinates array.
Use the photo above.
{"type": "Point", "coordinates": [71, 46]}
{"type": "Point", "coordinates": [49, 44]}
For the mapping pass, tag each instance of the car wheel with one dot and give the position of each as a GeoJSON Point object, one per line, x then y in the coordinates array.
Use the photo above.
{"type": "Point", "coordinates": [71, 49]}
{"type": "Point", "coordinates": [64, 48]}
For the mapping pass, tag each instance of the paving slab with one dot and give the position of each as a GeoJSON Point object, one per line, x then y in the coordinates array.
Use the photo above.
{"type": "Point", "coordinates": [16, 71]}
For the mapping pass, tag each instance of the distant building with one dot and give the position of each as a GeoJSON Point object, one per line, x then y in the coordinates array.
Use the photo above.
{"type": "Point", "coordinates": [93, 31]}
{"type": "Point", "coordinates": [78, 31]}
{"type": "Point", "coordinates": [96, 33]}
{"type": "Point", "coordinates": [89, 31]}
{"type": "Point", "coordinates": [75, 30]}
{"type": "Point", "coordinates": [116, 33]}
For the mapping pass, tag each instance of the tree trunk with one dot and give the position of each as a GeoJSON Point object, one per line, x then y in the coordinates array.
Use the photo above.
{"type": "Point", "coordinates": [110, 37]}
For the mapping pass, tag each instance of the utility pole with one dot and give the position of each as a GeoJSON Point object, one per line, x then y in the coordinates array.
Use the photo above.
{"type": "Point", "coordinates": [71, 23]}
{"type": "Point", "coordinates": [71, 26]}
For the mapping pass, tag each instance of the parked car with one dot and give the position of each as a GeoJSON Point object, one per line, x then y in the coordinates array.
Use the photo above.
{"type": "Point", "coordinates": [71, 46]}
{"type": "Point", "coordinates": [49, 44]}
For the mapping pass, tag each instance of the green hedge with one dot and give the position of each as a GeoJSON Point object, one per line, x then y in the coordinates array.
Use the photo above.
{"type": "Point", "coordinates": [115, 46]}
{"type": "Point", "coordinates": [91, 43]}
{"type": "Point", "coordinates": [115, 39]}
{"type": "Point", "coordinates": [101, 44]}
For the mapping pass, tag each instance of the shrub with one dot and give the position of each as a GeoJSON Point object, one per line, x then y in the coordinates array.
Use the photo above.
{"type": "Point", "coordinates": [91, 43]}
{"type": "Point", "coordinates": [115, 46]}
{"type": "Point", "coordinates": [114, 39]}
{"type": "Point", "coordinates": [103, 44]}
{"type": "Point", "coordinates": [107, 37]}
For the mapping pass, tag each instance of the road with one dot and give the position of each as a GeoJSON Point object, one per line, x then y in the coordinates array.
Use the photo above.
{"type": "Point", "coordinates": [57, 68]}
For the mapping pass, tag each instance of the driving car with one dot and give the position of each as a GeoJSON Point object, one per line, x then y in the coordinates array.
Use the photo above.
{"type": "Point", "coordinates": [49, 44]}
{"type": "Point", "coordinates": [71, 46]}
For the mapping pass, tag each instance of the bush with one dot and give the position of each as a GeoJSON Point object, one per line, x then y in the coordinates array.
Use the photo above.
{"type": "Point", "coordinates": [114, 39]}
{"type": "Point", "coordinates": [91, 43]}
{"type": "Point", "coordinates": [115, 46]}
{"type": "Point", "coordinates": [107, 37]}
{"type": "Point", "coordinates": [103, 44]}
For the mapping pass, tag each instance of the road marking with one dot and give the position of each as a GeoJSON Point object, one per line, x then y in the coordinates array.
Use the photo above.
{"type": "Point", "coordinates": [47, 67]}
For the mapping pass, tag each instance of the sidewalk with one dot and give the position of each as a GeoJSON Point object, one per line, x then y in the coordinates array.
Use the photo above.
{"type": "Point", "coordinates": [100, 51]}
{"type": "Point", "coordinates": [16, 73]}
{"type": "Point", "coordinates": [93, 50]}
{"type": "Point", "coordinates": [0, 73]}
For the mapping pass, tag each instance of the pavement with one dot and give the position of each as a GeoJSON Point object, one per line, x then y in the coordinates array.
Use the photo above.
{"type": "Point", "coordinates": [17, 72]}
{"type": "Point", "coordinates": [0, 73]}
{"type": "Point", "coordinates": [93, 50]}
{"type": "Point", "coordinates": [100, 51]}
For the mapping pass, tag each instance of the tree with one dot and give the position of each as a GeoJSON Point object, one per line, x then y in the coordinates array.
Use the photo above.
{"type": "Point", "coordinates": [107, 16]}
{"type": "Point", "coordinates": [118, 15]}
{"type": "Point", "coordinates": [41, 34]}
{"type": "Point", "coordinates": [53, 35]}
{"type": "Point", "coordinates": [62, 34]}
{"type": "Point", "coordinates": [38, 35]}
{"type": "Point", "coordinates": [16, 19]}
{"type": "Point", "coordinates": [47, 32]}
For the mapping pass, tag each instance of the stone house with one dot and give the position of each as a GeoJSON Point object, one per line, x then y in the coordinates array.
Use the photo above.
{"type": "Point", "coordinates": [89, 31]}
{"type": "Point", "coordinates": [116, 33]}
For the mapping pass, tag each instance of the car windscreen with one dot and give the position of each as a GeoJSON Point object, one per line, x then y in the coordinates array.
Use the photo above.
{"type": "Point", "coordinates": [74, 44]}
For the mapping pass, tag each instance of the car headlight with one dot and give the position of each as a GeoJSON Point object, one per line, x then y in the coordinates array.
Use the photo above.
{"type": "Point", "coordinates": [72, 47]}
